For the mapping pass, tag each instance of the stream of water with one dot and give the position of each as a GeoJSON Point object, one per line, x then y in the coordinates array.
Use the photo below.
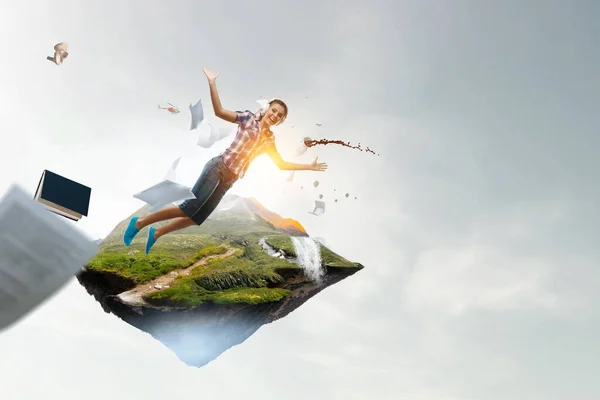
{"type": "Point", "coordinates": [308, 251]}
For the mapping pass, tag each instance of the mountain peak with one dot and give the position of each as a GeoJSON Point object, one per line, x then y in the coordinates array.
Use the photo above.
{"type": "Point", "coordinates": [252, 208]}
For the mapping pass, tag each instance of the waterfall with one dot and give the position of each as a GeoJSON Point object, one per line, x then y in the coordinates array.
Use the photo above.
{"type": "Point", "coordinates": [308, 252]}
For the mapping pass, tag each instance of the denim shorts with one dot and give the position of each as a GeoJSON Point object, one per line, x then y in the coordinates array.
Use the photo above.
{"type": "Point", "coordinates": [214, 181]}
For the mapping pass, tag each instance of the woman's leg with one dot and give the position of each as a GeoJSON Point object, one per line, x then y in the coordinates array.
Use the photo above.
{"type": "Point", "coordinates": [227, 179]}
{"type": "Point", "coordinates": [160, 215]}
{"type": "Point", "coordinates": [211, 203]}
{"type": "Point", "coordinates": [136, 223]}
{"type": "Point", "coordinates": [208, 180]}
{"type": "Point", "coordinates": [201, 213]}
{"type": "Point", "coordinates": [155, 233]}
{"type": "Point", "coordinates": [206, 185]}
{"type": "Point", "coordinates": [178, 224]}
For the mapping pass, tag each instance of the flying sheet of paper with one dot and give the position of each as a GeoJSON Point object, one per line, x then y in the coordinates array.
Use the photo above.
{"type": "Point", "coordinates": [319, 208]}
{"type": "Point", "coordinates": [204, 137]}
{"type": "Point", "coordinates": [210, 134]}
{"type": "Point", "coordinates": [39, 254]}
{"type": "Point", "coordinates": [171, 175]}
{"type": "Point", "coordinates": [217, 134]}
{"type": "Point", "coordinates": [166, 192]}
{"type": "Point", "coordinates": [197, 114]}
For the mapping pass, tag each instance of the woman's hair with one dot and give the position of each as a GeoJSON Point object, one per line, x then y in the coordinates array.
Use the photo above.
{"type": "Point", "coordinates": [281, 103]}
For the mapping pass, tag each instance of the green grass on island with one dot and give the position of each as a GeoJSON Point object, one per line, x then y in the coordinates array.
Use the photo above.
{"type": "Point", "coordinates": [141, 268]}
{"type": "Point", "coordinates": [243, 277]}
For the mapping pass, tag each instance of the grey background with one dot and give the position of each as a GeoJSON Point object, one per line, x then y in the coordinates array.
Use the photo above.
{"type": "Point", "coordinates": [478, 224]}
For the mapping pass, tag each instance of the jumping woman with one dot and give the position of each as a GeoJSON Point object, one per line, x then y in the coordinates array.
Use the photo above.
{"type": "Point", "coordinates": [253, 138]}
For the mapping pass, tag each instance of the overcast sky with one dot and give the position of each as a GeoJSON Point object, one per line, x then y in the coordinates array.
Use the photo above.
{"type": "Point", "coordinates": [477, 224]}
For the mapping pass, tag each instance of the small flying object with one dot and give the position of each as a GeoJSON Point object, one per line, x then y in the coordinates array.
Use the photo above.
{"type": "Point", "coordinates": [172, 109]}
{"type": "Point", "coordinates": [61, 52]}
{"type": "Point", "coordinates": [319, 208]}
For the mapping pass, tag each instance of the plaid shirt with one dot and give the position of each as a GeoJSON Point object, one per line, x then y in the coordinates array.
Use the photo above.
{"type": "Point", "coordinates": [247, 144]}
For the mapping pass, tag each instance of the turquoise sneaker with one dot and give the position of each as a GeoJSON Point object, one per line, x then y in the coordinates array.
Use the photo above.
{"type": "Point", "coordinates": [130, 232]}
{"type": "Point", "coordinates": [150, 242]}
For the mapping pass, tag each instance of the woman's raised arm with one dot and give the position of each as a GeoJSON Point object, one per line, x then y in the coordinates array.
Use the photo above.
{"type": "Point", "coordinates": [220, 112]}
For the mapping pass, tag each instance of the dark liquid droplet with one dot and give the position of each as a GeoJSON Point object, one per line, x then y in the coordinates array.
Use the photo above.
{"type": "Point", "coordinates": [311, 143]}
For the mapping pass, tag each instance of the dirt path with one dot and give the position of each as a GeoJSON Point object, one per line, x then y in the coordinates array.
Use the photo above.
{"type": "Point", "coordinates": [134, 297]}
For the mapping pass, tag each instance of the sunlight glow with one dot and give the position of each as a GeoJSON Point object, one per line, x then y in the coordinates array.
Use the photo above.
{"type": "Point", "coordinates": [263, 181]}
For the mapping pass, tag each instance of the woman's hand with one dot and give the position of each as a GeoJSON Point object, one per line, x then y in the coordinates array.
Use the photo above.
{"type": "Point", "coordinates": [210, 75]}
{"type": "Point", "coordinates": [315, 166]}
